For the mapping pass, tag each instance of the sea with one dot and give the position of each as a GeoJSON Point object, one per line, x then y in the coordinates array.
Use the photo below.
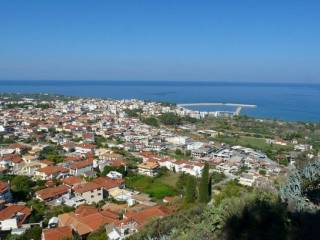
{"type": "Point", "coordinates": [284, 101]}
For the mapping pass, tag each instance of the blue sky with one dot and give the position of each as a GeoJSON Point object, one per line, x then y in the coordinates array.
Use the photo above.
{"type": "Point", "coordinates": [225, 40]}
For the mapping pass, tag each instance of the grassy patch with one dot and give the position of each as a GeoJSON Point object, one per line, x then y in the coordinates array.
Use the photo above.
{"type": "Point", "coordinates": [170, 178]}
{"type": "Point", "coordinates": [156, 187]}
{"type": "Point", "coordinates": [254, 143]}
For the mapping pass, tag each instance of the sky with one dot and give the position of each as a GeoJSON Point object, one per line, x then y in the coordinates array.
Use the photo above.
{"type": "Point", "coordinates": [225, 40]}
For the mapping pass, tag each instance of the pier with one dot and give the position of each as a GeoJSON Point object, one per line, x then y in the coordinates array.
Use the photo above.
{"type": "Point", "coordinates": [238, 106]}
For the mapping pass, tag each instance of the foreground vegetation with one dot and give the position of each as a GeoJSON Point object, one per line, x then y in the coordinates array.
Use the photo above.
{"type": "Point", "coordinates": [236, 213]}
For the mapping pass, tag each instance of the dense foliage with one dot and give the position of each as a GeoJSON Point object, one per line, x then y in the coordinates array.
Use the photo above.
{"type": "Point", "coordinates": [52, 153]}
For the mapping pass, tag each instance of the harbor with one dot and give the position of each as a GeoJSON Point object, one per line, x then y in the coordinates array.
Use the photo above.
{"type": "Point", "coordinates": [236, 112]}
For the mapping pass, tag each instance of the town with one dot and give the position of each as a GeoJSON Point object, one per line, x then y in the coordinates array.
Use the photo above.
{"type": "Point", "coordinates": [71, 167]}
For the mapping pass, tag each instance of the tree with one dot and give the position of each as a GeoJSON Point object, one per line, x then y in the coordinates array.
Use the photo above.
{"type": "Point", "coordinates": [180, 185]}
{"type": "Point", "coordinates": [21, 187]}
{"type": "Point", "coordinates": [32, 233]}
{"type": "Point", "coordinates": [39, 210]}
{"type": "Point", "coordinates": [170, 119]}
{"type": "Point", "coordinates": [152, 121]}
{"type": "Point", "coordinates": [51, 153]}
{"type": "Point", "coordinates": [204, 188]}
{"type": "Point", "coordinates": [178, 151]}
{"type": "Point", "coordinates": [100, 234]}
{"type": "Point", "coordinates": [191, 190]}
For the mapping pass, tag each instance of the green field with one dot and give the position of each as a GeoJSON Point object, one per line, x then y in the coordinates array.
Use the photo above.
{"type": "Point", "coordinates": [157, 187]}
{"type": "Point", "coordinates": [253, 142]}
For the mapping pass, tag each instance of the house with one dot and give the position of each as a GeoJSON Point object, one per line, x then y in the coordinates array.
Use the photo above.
{"type": "Point", "coordinates": [85, 148]}
{"type": "Point", "coordinates": [146, 215]}
{"type": "Point", "coordinates": [5, 193]}
{"type": "Point", "coordinates": [114, 175]}
{"type": "Point", "coordinates": [59, 233]}
{"type": "Point", "coordinates": [72, 181]}
{"type": "Point", "coordinates": [149, 168]}
{"type": "Point", "coordinates": [51, 172]}
{"type": "Point", "coordinates": [91, 192]}
{"type": "Point", "coordinates": [79, 168]}
{"type": "Point", "coordinates": [13, 216]}
{"type": "Point", "coordinates": [18, 147]}
{"type": "Point", "coordinates": [85, 222]}
{"type": "Point", "coordinates": [88, 137]}
{"type": "Point", "coordinates": [121, 230]}
{"type": "Point", "coordinates": [11, 162]}
{"type": "Point", "coordinates": [247, 180]}
{"type": "Point", "coordinates": [53, 193]}
{"type": "Point", "coordinates": [167, 163]}
{"type": "Point", "coordinates": [97, 189]}
{"type": "Point", "coordinates": [108, 183]}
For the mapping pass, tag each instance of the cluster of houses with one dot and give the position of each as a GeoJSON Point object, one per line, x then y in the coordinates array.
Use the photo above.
{"type": "Point", "coordinates": [74, 129]}
{"type": "Point", "coordinates": [119, 220]}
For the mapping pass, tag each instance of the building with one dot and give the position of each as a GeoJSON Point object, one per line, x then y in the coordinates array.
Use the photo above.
{"type": "Point", "coordinates": [91, 192]}
{"type": "Point", "coordinates": [51, 172]}
{"type": "Point", "coordinates": [247, 180]}
{"type": "Point", "coordinates": [87, 220]}
{"type": "Point", "coordinates": [114, 175]}
{"type": "Point", "coordinates": [53, 193]}
{"type": "Point", "coordinates": [80, 168]}
{"type": "Point", "coordinates": [146, 215]}
{"type": "Point", "coordinates": [72, 181]}
{"type": "Point", "coordinates": [149, 168]}
{"type": "Point", "coordinates": [13, 216]}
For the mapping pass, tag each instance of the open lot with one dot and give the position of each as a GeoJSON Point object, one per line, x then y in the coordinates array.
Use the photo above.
{"type": "Point", "coordinates": [157, 187]}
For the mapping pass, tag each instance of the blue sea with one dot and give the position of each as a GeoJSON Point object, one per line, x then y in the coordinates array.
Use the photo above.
{"type": "Point", "coordinates": [286, 101]}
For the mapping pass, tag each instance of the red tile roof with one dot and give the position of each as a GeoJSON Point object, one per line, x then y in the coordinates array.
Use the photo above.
{"type": "Point", "coordinates": [17, 145]}
{"type": "Point", "coordinates": [86, 187]}
{"type": "Point", "coordinates": [53, 170]}
{"type": "Point", "coordinates": [85, 210]}
{"type": "Point", "coordinates": [89, 223]}
{"type": "Point", "coordinates": [15, 158]}
{"type": "Point", "coordinates": [58, 233]}
{"type": "Point", "coordinates": [54, 192]}
{"type": "Point", "coordinates": [73, 158]}
{"type": "Point", "coordinates": [72, 181]}
{"type": "Point", "coordinates": [3, 186]}
{"type": "Point", "coordinates": [88, 135]}
{"type": "Point", "coordinates": [87, 145]}
{"type": "Point", "coordinates": [12, 210]}
{"type": "Point", "coordinates": [142, 217]}
{"type": "Point", "coordinates": [81, 164]}
{"type": "Point", "coordinates": [100, 182]}
{"type": "Point", "coordinates": [108, 183]}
